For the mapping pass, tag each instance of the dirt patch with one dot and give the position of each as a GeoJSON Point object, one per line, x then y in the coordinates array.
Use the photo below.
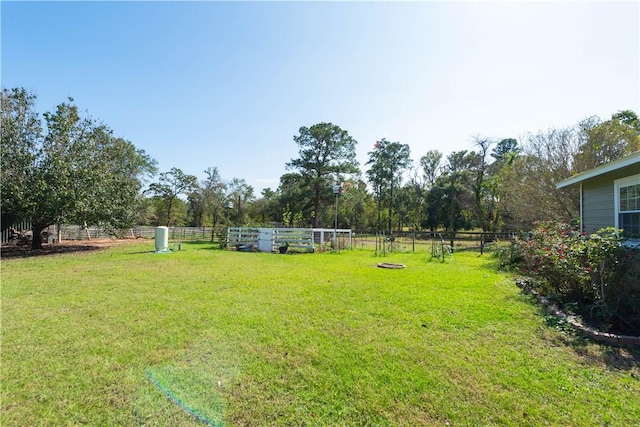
{"type": "Point", "coordinates": [68, 246]}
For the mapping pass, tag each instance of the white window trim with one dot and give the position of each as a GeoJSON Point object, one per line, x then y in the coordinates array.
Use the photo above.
{"type": "Point", "coordinates": [623, 182]}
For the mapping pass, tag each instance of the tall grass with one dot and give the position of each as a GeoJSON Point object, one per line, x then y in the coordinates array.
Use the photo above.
{"type": "Point", "coordinates": [321, 339]}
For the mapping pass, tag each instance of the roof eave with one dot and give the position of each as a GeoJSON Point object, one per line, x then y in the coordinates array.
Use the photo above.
{"type": "Point", "coordinates": [600, 170]}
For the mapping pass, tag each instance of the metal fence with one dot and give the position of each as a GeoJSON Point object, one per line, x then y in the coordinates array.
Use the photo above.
{"type": "Point", "coordinates": [424, 241]}
{"type": "Point", "coordinates": [398, 241]}
{"type": "Point", "coordinates": [182, 233]}
{"type": "Point", "coordinates": [78, 232]}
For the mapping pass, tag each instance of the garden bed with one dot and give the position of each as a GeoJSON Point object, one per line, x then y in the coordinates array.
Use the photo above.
{"type": "Point", "coordinates": [592, 333]}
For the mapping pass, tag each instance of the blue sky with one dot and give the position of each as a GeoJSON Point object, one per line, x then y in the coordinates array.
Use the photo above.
{"type": "Point", "coordinates": [228, 84]}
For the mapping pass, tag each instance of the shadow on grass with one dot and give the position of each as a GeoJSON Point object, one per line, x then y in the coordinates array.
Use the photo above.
{"type": "Point", "coordinates": [12, 252]}
{"type": "Point", "coordinates": [613, 357]}
{"type": "Point", "coordinates": [175, 247]}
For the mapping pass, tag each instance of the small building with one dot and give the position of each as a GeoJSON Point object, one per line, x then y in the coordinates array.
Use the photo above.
{"type": "Point", "coordinates": [610, 196]}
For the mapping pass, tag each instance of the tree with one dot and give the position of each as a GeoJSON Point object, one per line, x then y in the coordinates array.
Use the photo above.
{"type": "Point", "coordinates": [388, 162]}
{"type": "Point", "coordinates": [111, 200]}
{"type": "Point", "coordinates": [457, 177]}
{"type": "Point", "coordinates": [207, 201]}
{"type": "Point", "coordinates": [431, 166]}
{"type": "Point", "coordinates": [265, 208]}
{"type": "Point", "coordinates": [169, 187]}
{"type": "Point", "coordinates": [414, 196]}
{"type": "Point", "coordinates": [21, 138]}
{"type": "Point", "coordinates": [505, 150]}
{"type": "Point", "coordinates": [377, 179]}
{"type": "Point", "coordinates": [241, 194]}
{"type": "Point", "coordinates": [408, 205]}
{"type": "Point", "coordinates": [326, 152]}
{"type": "Point", "coordinates": [505, 154]}
{"type": "Point", "coordinates": [483, 198]}
{"type": "Point", "coordinates": [146, 211]}
{"type": "Point", "coordinates": [412, 200]}
{"type": "Point", "coordinates": [437, 209]}
{"type": "Point", "coordinates": [603, 142]}
{"type": "Point", "coordinates": [353, 204]}
{"type": "Point", "coordinates": [629, 118]}
{"type": "Point", "coordinates": [179, 212]}
{"type": "Point", "coordinates": [294, 198]}
{"type": "Point", "coordinates": [529, 192]}
{"type": "Point", "coordinates": [74, 171]}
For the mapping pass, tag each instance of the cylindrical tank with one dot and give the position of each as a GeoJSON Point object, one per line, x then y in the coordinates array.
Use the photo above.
{"type": "Point", "coordinates": [162, 239]}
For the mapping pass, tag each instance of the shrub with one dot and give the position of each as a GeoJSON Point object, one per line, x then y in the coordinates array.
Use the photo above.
{"type": "Point", "coordinates": [595, 275]}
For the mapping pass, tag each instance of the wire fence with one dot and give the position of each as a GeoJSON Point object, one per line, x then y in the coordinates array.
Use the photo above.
{"type": "Point", "coordinates": [21, 232]}
{"type": "Point", "coordinates": [371, 240]}
{"type": "Point", "coordinates": [425, 241]}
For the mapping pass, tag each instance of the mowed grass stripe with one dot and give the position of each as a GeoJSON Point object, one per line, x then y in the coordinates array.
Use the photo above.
{"type": "Point", "coordinates": [322, 339]}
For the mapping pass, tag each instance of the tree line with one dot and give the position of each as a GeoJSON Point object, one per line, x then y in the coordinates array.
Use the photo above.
{"type": "Point", "coordinates": [71, 169]}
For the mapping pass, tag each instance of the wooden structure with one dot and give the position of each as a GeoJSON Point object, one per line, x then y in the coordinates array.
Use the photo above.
{"type": "Point", "coordinates": [271, 239]}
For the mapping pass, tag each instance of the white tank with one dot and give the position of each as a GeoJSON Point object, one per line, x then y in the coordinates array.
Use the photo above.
{"type": "Point", "coordinates": [162, 239]}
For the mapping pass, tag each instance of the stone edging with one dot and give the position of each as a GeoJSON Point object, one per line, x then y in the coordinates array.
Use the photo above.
{"type": "Point", "coordinates": [604, 337]}
{"type": "Point", "coordinates": [390, 265]}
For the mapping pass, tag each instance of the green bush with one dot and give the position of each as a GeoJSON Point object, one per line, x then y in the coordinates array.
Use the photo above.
{"type": "Point", "coordinates": [595, 275]}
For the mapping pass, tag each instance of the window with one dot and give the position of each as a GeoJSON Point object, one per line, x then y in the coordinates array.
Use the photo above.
{"type": "Point", "coordinates": [627, 198]}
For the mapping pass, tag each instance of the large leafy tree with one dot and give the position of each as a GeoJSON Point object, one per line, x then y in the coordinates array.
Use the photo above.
{"type": "Point", "coordinates": [421, 182]}
{"type": "Point", "coordinates": [265, 208]}
{"type": "Point", "coordinates": [353, 204]}
{"type": "Point", "coordinates": [208, 200]}
{"type": "Point", "coordinates": [294, 199]}
{"type": "Point", "coordinates": [457, 181]}
{"type": "Point", "coordinates": [409, 205]}
{"type": "Point", "coordinates": [436, 207]}
{"type": "Point", "coordinates": [529, 189]}
{"type": "Point", "coordinates": [168, 189]}
{"type": "Point", "coordinates": [603, 142]}
{"type": "Point", "coordinates": [431, 166]}
{"type": "Point", "coordinates": [327, 153]}
{"type": "Point", "coordinates": [111, 180]}
{"type": "Point", "coordinates": [74, 170]}
{"type": "Point", "coordinates": [21, 140]}
{"type": "Point", "coordinates": [388, 161]}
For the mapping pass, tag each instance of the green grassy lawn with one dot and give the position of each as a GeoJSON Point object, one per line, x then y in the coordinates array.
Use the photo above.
{"type": "Point", "coordinates": [319, 339]}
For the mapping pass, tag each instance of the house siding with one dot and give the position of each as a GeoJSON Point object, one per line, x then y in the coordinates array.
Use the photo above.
{"type": "Point", "coordinates": [598, 206]}
{"type": "Point", "coordinates": [597, 209]}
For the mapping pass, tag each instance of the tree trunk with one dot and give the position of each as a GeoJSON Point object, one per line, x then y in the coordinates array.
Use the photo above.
{"type": "Point", "coordinates": [169, 208]}
{"type": "Point", "coordinates": [239, 216]}
{"type": "Point", "coordinates": [390, 207]}
{"type": "Point", "coordinates": [379, 226]}
{"type": "Point", "coordinates": [36, 241]}
{"type": "Point", "coordinates": [452, 222]}
{"type": "Point", "coordinates": [316, 208]}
